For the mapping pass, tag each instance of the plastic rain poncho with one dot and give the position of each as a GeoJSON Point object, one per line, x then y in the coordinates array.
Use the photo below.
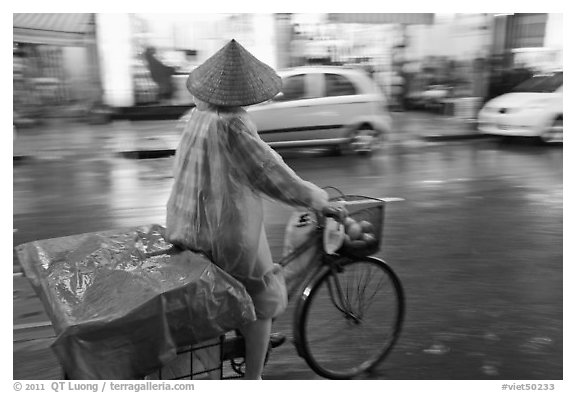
{"type": "Point", "coordinates": [222, 170]}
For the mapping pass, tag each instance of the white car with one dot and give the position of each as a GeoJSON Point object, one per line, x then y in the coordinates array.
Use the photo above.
{"type": "Point", "coordinates": [533, 109]}
{"type": "Point", "coordinates": [324, 106]}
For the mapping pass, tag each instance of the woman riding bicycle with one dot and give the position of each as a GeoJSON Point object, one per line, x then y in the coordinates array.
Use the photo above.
{"type": "Point", "coordinates": [222, 170]}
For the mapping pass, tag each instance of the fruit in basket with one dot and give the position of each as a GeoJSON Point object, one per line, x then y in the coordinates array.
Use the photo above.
{"type": "Point", "coordinates": [366, 226]}
{"type": "Point", "coordinates": [369, 238]}
{"type": "Point", "coordinates": [348, 221]}
{"type": "Point", "coordinates": [346, 241]}
{"type": "Point", "coordinates": [358, 244]}
{"type": "Point", "coordinates": [355, 231]}
{"type": "Point", "coordinates": [358, 235]}
{"type": "Point", "coordinates": [349, 243]}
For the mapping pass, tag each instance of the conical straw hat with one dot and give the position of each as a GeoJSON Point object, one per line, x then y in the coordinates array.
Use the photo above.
{"type": "Point", "coordinates": [233, 77]}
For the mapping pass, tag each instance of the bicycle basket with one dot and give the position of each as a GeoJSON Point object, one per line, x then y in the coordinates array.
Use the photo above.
{"type": "Point", "coordinates": [362, 208]}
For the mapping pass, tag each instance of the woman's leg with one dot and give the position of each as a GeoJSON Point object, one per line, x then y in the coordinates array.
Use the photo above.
{"type": "Point", "coordinates": [256, 337]}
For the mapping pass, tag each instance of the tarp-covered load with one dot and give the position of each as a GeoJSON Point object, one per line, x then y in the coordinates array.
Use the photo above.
{"type": "Point", "coordinates": [121, 302]}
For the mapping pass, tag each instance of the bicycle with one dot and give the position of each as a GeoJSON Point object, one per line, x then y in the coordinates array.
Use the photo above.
{"type": "Point", "coordinates": [349, 304]}
{"type": "Point", "coordinates": [348, 290]}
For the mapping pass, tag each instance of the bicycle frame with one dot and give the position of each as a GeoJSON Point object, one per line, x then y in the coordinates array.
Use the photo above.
{"type": "Point", "coordinates": [330, 265]}
{"type": "Point", "coordinates": [328, 262]}
{"type": "Point", "coordinates": [344, 306]}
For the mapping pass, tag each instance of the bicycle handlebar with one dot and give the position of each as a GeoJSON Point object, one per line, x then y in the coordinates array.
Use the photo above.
{"type": "Point", "coordinates": [336, 212]}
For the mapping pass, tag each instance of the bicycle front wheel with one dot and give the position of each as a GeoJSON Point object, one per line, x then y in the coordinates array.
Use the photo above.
{"type": "Point", "coordinates": [347, 321]}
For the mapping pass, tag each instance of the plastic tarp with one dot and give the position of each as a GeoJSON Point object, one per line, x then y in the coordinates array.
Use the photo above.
{"type": "Point", "coordinates": [121, 302]}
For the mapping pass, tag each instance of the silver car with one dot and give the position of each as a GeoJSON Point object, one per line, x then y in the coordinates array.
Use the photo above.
{"type": "Point", "coordinates": [324, 106]}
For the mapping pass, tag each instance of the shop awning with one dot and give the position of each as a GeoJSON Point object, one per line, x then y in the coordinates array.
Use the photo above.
{"type": "Point", "coordinates": [376, 18]}
{"type": "Point", "coordinates": [53, 29]}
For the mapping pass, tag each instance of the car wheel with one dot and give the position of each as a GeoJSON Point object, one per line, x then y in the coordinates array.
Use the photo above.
{"type": "Point", "coordinates": [554, 133]}
{"type": "Point", "coordinates": [364, 140]}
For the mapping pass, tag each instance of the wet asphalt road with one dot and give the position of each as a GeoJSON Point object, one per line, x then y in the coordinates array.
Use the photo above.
{"type": "Point", "coordinates": [477, 244]}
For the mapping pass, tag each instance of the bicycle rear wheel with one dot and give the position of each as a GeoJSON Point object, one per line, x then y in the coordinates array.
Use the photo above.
{"type": "Point", "coordinates": [344, 332]}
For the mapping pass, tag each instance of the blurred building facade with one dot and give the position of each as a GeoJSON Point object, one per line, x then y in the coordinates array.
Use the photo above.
{"type": "Point", "coordinates": [524, 44]}
{"type": "Point", "coordinates": [533, 40]}
{"type": "Point", "coordinates": [175, 44]}
{"type": "Point", "coordinates": [479, 56]}
{"type": "Point", "coordinates": [55, 63]}
{"type": "Point", "coordinates": [280, 40]}
{"type": "Point", "coordinates": [144, 59]}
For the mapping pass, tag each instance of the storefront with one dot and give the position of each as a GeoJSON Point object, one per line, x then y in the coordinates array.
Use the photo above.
{"type": "Point", "coordinates": [54, 62]}
{"type": "Point", "coordinates": [146, 58]}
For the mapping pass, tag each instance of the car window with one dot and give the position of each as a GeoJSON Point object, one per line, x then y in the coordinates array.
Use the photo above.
{"type": "Point", "coordinates": [339, 85]}
{"type": "Point", "coordinates": [293, 88]}
{"type": "Point", "coordinates": [540, 84]}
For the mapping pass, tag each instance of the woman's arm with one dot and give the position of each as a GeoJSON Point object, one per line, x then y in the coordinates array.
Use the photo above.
{"type": "Point", "coordinates": [265, 170]}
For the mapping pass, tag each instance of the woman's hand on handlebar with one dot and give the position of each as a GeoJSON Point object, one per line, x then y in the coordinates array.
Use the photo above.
{"type": "Point", "coordinates": [335, 210]}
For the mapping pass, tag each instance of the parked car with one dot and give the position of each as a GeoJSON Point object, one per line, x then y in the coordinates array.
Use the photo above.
{"type": "Point", "coordinates": [533, 109]}
{"type": "Point", "coordinates": [324, 106]}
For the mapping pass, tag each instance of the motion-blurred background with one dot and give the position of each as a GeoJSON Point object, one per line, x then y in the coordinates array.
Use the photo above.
{"type": "Point", "coordinates": [73, 64]}
{"type": "Point", "coordinates": [447, 111]}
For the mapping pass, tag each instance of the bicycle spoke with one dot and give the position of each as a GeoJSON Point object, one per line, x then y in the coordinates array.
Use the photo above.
{"type": "Point", "coordinates": [329, 307]}
{"type": "Point", "coordinates": [361, 289]}
{"type": "Point", "coordinates": [362, 301]}
{"type": "Point", "coordinates": [368, 302]}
